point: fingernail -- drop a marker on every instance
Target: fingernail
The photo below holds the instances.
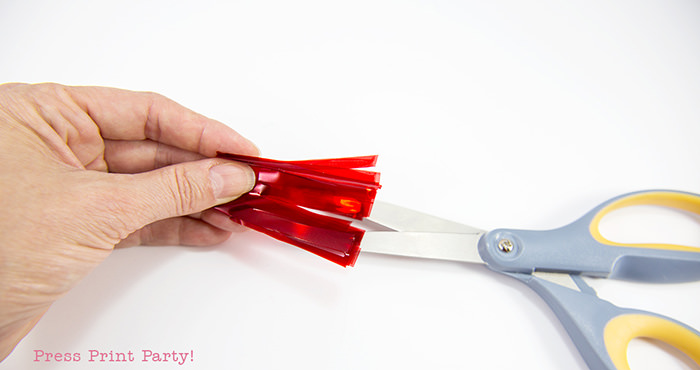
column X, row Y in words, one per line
column 231, row 180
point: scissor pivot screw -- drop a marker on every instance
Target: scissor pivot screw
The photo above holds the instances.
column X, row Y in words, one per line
column 505, row 245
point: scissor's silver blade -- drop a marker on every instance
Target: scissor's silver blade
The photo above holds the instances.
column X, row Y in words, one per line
column 405, row 219
column 444, row 246
column 562, row 279
column 574, row 282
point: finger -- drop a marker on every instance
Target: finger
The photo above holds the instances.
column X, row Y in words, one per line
column 177, row 231
column 143, row 115
column 60, row 123
column 220, row 220
column 145, row 155
column 178, row 190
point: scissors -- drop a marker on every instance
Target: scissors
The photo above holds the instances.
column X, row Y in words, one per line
column 553, row 262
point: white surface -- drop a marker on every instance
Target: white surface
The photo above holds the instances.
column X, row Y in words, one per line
column 496, row 114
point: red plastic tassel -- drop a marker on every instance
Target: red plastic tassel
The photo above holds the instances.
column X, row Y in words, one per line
column 334, row 186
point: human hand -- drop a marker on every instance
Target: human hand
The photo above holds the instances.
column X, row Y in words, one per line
column 85, row 169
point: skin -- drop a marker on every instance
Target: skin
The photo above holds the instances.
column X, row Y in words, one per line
column 86, row 169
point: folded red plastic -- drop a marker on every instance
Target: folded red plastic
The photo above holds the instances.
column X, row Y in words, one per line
column 282, row 202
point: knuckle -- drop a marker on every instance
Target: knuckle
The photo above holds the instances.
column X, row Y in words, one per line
column 184, row 190
column 162, row 156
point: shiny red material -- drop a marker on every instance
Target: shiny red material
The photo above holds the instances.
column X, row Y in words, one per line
column 282, row 202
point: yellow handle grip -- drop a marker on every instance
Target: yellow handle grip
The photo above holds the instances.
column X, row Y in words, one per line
column 671, row 199
column 622, row 329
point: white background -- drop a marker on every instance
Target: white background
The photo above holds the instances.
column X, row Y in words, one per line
column 517, row 114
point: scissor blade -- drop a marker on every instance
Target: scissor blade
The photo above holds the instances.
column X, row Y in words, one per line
column 563, row 279
column 443, row 246
column 405, row 219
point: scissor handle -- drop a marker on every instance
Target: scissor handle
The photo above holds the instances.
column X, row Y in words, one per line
column 621, row 329
column 602, row 331
column 581, row 249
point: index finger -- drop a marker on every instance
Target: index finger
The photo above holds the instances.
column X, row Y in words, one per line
column 130, row 115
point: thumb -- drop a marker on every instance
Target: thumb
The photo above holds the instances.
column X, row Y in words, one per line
column 187, row 188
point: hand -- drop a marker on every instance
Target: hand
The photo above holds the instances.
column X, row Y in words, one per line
column 85, row 169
